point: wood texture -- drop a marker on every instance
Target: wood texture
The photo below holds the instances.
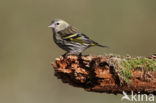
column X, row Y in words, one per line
column 100, row 74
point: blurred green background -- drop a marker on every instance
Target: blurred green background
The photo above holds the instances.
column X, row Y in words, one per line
column 27, row 49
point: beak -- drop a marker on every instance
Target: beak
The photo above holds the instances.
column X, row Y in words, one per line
column 51, row 26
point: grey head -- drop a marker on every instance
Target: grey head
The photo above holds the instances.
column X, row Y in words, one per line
column 58, row 25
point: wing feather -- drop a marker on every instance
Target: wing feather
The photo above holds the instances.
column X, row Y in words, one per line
column 72, row 34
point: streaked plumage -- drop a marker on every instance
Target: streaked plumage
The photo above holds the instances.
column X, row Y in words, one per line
column 69, row 38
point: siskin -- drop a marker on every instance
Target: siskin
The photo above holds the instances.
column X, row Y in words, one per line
column 69, row 38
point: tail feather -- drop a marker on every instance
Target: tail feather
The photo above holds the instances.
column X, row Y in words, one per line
column 102, row 46
column 97, row 44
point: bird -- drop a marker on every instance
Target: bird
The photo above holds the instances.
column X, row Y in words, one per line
column 70, row 39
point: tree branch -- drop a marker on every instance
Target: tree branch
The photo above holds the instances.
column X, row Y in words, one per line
column 111, row 74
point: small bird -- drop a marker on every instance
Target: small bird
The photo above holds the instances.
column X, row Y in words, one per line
column 70, row 38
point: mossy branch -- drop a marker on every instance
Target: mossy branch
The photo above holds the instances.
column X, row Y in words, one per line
column 111, row 74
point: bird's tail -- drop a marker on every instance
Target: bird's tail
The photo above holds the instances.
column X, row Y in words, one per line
column 97, row 44
column 102, row 46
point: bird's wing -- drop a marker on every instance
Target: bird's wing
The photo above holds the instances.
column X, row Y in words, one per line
column 72, row 34
column 78, row 37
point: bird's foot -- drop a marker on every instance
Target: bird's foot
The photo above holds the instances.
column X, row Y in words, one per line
column 80, row 56
column 64, row 55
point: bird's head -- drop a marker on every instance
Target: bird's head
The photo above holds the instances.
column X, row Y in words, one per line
column 58, row 25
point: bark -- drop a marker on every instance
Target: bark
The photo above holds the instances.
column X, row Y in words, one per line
column 103, row 74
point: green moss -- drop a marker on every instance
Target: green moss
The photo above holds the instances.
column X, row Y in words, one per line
column 127, row 74
column 136, row 63
column 142, row 63
column 126, row 70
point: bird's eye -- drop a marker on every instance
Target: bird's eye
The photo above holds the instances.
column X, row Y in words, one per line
column 57, row 23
